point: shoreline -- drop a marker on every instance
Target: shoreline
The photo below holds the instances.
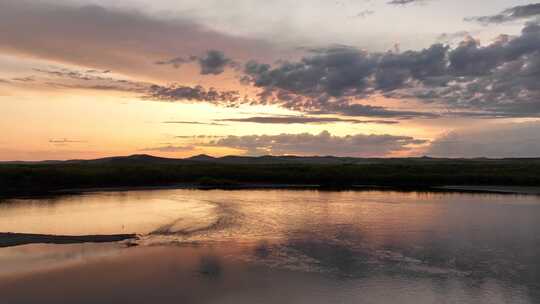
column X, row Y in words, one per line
column 479, row 189
column 10, row 239
column 523, row 190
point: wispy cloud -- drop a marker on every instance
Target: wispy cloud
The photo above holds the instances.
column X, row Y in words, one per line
column 287, row 119
column 65, row 141
column 176, row 62
column 24, row 79
column 169, row 148
column 405, row 2
column 522, row 12
column 199, row 136
column 321, row 144
column 194, row 123
column 109, row 38
column 198, row 93
column 365, row 13
column 452, row 37
column 213, row 62
column 65, row 78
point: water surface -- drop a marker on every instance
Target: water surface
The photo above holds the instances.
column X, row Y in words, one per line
column 276, row 246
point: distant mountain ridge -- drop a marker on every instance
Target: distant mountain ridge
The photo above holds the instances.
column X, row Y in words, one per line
column 234, row 172
column 246, row 160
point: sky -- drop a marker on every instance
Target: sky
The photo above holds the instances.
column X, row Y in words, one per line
column 84, row 79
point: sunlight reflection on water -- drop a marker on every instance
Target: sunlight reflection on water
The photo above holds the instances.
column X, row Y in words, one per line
column 355, row 247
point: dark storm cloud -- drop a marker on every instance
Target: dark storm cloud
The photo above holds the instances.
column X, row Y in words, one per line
column 287, row 119
column 502, row 78
column 335, row 71
column 395, row 69
column 499, row 79
column 504, row 140
column 521, row 12
column 320, row 144
column 345, row 71
column 325, row 82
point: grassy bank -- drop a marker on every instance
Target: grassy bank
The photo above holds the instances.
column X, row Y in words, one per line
column 28, row 178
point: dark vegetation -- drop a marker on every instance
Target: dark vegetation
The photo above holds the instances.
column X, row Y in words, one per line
column 142, row 170
column 17, row 239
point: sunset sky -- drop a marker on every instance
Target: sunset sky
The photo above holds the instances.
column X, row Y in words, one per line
column 176, row 78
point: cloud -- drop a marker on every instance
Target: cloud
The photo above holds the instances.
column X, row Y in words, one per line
column 287, row 119
column 344, row 107
column 498, row 80
column 405, row 2
column 321, row 144
column 198, row 93
column 333, row 72
column 194, row 123
column 109, row 38
column 501, row 79
column 169, row 148
column 496, row 141
column 65, row 141
column 214, row 62
column 522, row 12
column 452, row 37
column 328, row 80
column 364, row 14
column 347, row 71
column 199, row 136
column 24, row 79
column 175, row 62
column 64, row 78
